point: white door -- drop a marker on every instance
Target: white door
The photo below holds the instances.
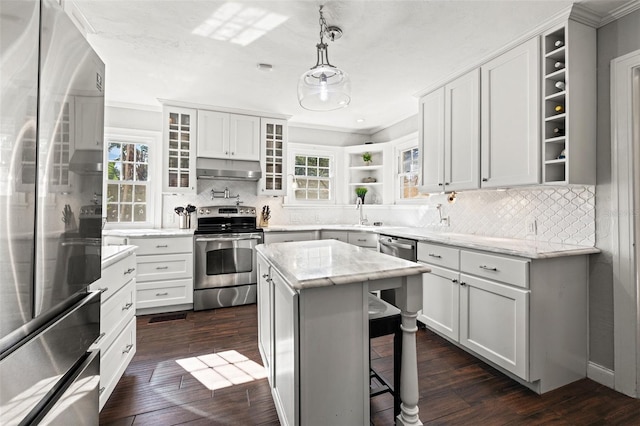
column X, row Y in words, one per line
column 213, row 134
column 510, row 123
column 494, row 323
column 432, row 141
column 462, row 133
column 440, row 301
column 244, row 137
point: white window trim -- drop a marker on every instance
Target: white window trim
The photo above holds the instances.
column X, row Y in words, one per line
column 154, row 140
column 334, row 153
column 399, row 145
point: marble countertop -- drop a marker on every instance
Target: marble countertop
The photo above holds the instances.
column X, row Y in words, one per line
column 308, row 264
column 530, row 249
column 112, row 254
column 149, row 232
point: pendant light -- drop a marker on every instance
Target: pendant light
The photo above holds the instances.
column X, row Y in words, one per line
column 324, row 87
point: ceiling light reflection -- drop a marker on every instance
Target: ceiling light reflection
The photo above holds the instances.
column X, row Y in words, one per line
column 238, row 24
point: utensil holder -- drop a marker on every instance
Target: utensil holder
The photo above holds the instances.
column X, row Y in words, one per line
column 185, row 221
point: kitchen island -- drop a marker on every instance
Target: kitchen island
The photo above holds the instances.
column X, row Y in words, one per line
column 313, row 328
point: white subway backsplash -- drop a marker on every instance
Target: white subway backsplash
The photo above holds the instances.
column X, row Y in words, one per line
column 561, row 214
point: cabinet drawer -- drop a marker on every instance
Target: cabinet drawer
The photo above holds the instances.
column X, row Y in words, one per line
column 114, row 360
column 363, row 239
column 434, row 254
column 153, row 294
column 164, row 267
column 506, row 269
column 162, row 245
column 285, row 237
column 115, row 312
column 115, row 276
column 335, row 235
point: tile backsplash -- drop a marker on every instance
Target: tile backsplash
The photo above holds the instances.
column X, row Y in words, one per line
column 558, row 214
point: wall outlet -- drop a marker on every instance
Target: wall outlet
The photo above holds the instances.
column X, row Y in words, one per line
column 532, row 226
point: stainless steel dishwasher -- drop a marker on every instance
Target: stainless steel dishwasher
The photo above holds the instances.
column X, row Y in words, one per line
column 403, row 248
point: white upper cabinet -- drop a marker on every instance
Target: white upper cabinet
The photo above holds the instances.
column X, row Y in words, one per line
column 510, row 144
column 273, row 143
column 450, row 135
column 179, row 172
column 228, row 136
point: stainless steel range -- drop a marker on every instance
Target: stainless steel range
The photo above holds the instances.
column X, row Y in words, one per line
column 225, row 259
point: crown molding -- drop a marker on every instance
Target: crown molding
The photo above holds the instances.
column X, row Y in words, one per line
column 127, row 105
column 618, row 13
column 300, row 125
column 184, row 104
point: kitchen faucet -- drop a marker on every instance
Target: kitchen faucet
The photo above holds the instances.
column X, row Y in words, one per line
column 363, row 221
column 444, row 220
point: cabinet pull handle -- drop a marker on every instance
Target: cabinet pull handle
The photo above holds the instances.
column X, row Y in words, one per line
column 437, row 256
column 162, row 246
column 162, row 267
column 128, row 271
column 488, row 268
column 101, row 390
column 362, row 239
column 485, row 179
column 95, row 342
column 127, row 348
column 265, row 275
column 162, row 294
column 103, row 289
column 127, row 306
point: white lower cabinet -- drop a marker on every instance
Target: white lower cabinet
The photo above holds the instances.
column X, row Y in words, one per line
column 289, row 236
column 527, row 317
column 265, row 302
column 117, row 341
column 165, row 274
column 494, row 323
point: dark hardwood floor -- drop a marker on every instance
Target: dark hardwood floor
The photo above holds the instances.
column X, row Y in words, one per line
column 455, row 388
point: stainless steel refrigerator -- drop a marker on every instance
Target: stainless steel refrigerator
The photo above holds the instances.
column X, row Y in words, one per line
column 51, row 111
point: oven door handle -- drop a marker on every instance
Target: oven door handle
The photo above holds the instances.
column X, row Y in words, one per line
column 235, row 238
column 398, row 245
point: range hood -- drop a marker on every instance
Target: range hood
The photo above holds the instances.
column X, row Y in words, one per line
column 86, row 162
column 210, row 168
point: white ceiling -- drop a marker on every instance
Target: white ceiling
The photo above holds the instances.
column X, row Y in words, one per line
column 391, row 49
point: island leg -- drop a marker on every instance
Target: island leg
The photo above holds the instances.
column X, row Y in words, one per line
column 410, row 301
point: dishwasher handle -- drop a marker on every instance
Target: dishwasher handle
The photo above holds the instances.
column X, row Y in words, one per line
column 390, row 243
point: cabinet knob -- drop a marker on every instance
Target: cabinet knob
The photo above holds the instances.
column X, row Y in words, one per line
column 265, row 275
column 441, row 184
column 485, row 179
column 447, row 183
column 463, row 283
column 454, row 281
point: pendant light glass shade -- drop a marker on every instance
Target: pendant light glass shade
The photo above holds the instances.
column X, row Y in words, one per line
column 324, row 87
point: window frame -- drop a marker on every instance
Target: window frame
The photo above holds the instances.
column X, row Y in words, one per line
column 153, row 141
column 402, row 145
column 308, row 151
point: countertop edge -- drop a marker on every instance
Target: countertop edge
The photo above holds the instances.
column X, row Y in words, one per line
column 115, row 253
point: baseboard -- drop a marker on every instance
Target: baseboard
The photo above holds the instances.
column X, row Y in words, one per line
column 600, row 374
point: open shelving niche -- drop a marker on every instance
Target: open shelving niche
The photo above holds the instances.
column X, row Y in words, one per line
column 359, row 173
column 568, row 131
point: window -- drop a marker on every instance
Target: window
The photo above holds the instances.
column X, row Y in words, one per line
column 312, row 176
column 408, row 157
column 127, row 181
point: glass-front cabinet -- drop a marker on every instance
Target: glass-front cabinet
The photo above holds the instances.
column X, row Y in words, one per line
column 179, row 173
column 273, row 134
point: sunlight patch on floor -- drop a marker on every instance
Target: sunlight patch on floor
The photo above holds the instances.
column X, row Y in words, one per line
column 222, row 369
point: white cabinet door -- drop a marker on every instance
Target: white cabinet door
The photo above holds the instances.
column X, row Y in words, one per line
column 494, row 323
column 179, row 173
column 265, row 302
column 510, row 144
column 285, row 355
column 244, row 137
column 273, row 146
column 432, row 140
column 213, row 134
column 462, row 133
column 450, row 135
column 440, row 305
column 89, row 122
